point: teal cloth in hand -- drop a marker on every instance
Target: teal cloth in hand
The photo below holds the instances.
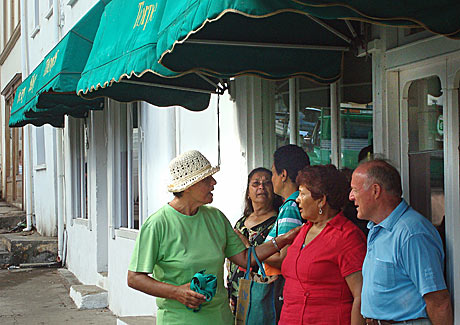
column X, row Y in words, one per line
column 205, row 284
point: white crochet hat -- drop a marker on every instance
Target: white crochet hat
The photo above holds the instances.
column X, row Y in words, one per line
column 188, row 169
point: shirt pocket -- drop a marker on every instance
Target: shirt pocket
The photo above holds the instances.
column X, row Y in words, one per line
column 384, row 273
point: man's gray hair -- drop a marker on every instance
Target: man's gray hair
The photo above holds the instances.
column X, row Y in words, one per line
column 380, row 171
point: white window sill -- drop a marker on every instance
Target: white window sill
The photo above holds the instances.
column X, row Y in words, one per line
column 40, row 167
column 49, row 13
column 127, row 233
column 81, row 222
column 35, row 31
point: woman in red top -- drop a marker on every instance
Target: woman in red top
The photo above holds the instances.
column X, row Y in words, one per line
column 323, row 265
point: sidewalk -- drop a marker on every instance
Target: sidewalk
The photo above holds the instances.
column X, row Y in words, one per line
column 41, row 297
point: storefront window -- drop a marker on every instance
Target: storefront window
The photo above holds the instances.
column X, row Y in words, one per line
column 314, row 115
column 426, row 148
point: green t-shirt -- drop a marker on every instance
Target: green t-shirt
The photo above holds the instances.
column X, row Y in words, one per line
column 173, row 247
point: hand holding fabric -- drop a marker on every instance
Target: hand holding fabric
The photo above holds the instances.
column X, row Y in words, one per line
column 205, row 285
column 188, row 297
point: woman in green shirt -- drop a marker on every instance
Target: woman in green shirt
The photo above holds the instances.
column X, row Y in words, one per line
column 184, row 237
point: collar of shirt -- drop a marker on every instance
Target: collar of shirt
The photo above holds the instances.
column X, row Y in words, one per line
column 394, row 216
column 338, row 221
column 293, row 196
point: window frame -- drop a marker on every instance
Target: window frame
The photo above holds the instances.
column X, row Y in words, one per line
column 36, row 19
column 80, row 150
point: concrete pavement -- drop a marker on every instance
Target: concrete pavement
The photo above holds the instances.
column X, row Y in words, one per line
column 40, row 296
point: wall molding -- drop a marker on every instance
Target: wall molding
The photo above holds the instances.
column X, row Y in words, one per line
column 10, row 44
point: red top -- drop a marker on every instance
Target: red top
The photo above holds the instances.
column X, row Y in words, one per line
column 315, row 291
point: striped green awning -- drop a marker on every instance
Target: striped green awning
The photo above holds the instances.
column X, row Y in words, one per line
column 49, row 92
column 123, row 64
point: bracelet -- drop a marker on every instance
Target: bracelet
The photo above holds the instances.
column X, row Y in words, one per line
column 276, row 245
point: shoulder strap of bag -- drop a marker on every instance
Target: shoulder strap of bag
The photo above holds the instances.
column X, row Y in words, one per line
column 252, row 251
column 261, row 233
column 285, row 202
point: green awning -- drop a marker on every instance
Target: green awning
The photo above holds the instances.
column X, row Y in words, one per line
column 283, row 38
column 123, row 64
column 440, row 17
column 273, row 39
column 49, row 92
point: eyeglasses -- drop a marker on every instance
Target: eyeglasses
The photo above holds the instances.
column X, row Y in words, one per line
column 258, row 183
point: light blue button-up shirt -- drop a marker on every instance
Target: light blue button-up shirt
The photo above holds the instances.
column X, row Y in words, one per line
column 404, row 261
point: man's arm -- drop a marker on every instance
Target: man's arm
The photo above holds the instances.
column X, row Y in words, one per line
column 438, row 307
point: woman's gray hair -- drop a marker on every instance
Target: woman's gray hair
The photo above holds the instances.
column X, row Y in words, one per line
column 380, row 171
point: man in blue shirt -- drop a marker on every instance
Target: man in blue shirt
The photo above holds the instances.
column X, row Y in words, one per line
column 403, row 270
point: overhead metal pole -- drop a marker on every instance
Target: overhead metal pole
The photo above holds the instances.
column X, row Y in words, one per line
column 330, row 28
column 142, row 83
column 275, row 45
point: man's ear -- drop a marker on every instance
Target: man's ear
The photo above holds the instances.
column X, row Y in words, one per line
column 284, row 175
column 376, row 190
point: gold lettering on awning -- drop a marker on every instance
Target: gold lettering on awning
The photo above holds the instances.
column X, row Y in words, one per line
column 50, row 62
column 32, row 83
column 144, row 14
column 21, row 95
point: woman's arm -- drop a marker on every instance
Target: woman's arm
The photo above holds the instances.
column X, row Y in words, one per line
column 277, row 259
column 266, row 249
column 183, row 294
column 355, row 283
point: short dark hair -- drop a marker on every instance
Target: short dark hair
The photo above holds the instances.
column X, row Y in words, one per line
column 291, row 158
column 380, row 171
column 248, row 208
column 178, row 194
column 325, row 180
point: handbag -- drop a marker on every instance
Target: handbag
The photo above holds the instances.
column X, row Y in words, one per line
column 262, row 233
column 258, row 294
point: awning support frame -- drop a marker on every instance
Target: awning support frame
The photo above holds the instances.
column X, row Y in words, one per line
column 150, row 84
column 269, row 45
column 221, row 89
column 331, row 29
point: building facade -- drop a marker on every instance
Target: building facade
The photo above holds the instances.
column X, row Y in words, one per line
column 96, row 180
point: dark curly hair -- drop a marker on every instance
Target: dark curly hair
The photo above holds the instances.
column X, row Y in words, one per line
column 277, row 200
column 325, row 180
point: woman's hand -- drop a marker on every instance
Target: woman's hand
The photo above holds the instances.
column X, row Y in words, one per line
column 188, row 297
column 288, row 238
column 242, row 237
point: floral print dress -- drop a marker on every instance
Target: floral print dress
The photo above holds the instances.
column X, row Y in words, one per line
column 256, row 236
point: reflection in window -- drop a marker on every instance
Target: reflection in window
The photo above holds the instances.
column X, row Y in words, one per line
column 426, row 154
column 314, row 114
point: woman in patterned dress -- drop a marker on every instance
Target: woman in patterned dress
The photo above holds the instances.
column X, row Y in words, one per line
column 259, row 216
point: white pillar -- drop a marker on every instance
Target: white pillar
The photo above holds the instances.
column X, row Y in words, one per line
column 293, row 109
column 335, row 125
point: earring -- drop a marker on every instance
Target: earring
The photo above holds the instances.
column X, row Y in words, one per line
column 320, row 211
